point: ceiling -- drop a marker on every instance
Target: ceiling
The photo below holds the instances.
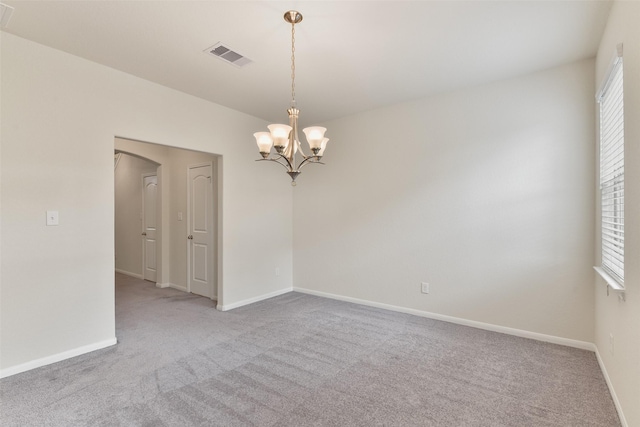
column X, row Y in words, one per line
column 351, row 56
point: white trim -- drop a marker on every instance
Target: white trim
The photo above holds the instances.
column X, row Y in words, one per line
column 611, row 282
column 118, row 156
column 254, row 299
column 617, row 57
column 128, row 273
column 172, row 286
column 457, row 320
column 616, row 402
column 178, row 287
column 44, row 361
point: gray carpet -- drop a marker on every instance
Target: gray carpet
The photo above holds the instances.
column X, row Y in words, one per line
column 299, row 360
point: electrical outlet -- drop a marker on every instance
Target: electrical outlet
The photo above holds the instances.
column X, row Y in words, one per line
column 277, row 271
column 425, row 287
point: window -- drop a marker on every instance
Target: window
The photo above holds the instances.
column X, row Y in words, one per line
column 611, row 103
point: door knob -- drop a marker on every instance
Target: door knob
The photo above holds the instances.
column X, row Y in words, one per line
column 189, row 237
column 144, row 234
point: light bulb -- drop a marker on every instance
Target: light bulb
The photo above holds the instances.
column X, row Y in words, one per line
column 264, row 141
column 323, row 145
column 280, row 135
column 314, row 134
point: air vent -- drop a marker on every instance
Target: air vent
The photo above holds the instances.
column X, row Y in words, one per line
column 5, row 15
column 228, row 55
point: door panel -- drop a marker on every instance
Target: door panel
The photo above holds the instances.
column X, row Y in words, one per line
column 200, row 214
column 200, row 263
column 150, row 259
column 149, row 227
column 200, row 202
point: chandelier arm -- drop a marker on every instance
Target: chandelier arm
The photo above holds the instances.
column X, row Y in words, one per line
column 304, row 156
column 290, row 151
column 288, row 168
column 286, row 159
column 309, row 160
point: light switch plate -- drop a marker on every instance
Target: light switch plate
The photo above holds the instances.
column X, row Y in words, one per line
column 52, row 217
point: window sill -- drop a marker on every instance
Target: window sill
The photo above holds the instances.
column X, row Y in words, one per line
column 612, row 283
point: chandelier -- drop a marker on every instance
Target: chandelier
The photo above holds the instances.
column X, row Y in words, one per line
column 284, row 138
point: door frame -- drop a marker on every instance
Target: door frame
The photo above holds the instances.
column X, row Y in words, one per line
column 214, row 227
column 145, row 150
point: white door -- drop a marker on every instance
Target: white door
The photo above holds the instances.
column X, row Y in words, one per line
column 200, row 213
column 149, row 226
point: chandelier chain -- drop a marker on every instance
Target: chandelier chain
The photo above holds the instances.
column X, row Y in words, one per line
column 293, row 64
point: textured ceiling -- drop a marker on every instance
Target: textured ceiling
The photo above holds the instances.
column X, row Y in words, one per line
column 351, row 56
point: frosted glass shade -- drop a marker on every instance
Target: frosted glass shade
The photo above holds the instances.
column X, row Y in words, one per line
column 264, row 141
column 315, row 135
column 280, row 134
column 323, row 145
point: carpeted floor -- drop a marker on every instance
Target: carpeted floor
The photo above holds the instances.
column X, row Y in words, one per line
column 299, row 360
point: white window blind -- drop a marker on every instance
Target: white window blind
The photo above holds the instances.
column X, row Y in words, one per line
column 612, row 172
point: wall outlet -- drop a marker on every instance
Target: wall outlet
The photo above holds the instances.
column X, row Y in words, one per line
column 424, row 287
column 277, row 271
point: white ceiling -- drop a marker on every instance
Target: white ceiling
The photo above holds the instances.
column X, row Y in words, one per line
column 351, row 56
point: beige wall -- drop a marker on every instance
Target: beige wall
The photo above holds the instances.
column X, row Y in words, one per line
column 59, row 117
column 485, row 193
column 128, row 210
column 621, row 319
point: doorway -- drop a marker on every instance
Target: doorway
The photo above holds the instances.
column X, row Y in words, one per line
column 186, row 190
column 136, row 217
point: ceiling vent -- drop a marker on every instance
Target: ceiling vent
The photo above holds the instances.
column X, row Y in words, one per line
column 5, row 15
column 228, row 55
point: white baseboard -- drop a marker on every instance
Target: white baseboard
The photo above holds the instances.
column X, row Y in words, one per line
column 228, row 307
column 172, row 286
column 457, row 320
column 616, row 402
column 56, row 358
column 178, row 287
column 128, row 273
